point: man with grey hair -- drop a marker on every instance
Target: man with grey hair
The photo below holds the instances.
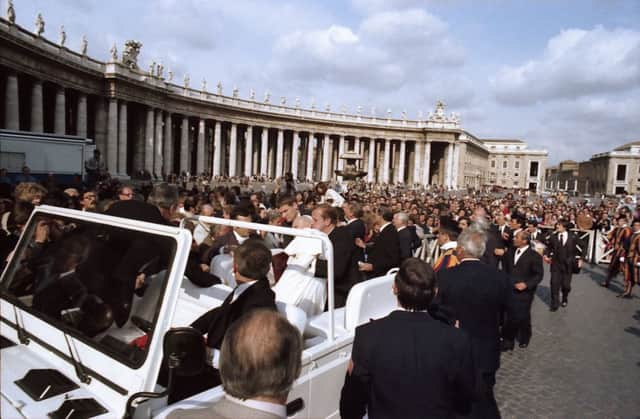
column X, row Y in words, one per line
column 476, row 294
column 400, row 221
column 256, row 378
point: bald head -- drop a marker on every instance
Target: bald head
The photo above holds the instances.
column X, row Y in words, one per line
column 260, row 356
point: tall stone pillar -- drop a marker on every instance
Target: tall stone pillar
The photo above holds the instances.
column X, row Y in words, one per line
column 403, row 151
column 112, row 135
column 122, row 138
column 12, row 102
column 149, row 141
column 168, row 144
column 59, row 122
column 387, row 155
column 37, row 124
column 340, row 161
column 157, row 145
column 233, row 149
column 280, row 153
column 460, row 149
column 264, row 152
column 295, row 149
column 308, row 173
column 448, row 165
column 416, row 164
column 184, row 145
column 426, row 163
column 101, row 127
column 248, row 151
column 356, row 145
column 81, row 116
column 217, row 147
column 200, row 156
column 371, row 176
column 326, row 151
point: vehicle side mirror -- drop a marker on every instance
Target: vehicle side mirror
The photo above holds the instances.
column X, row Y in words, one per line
column 184, row 355
column 184, row 351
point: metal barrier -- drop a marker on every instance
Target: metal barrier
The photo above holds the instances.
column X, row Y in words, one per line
column 429, row 251
column 603, row 250
column 590, row 240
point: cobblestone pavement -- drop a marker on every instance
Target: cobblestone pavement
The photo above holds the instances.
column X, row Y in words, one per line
column 583, row 360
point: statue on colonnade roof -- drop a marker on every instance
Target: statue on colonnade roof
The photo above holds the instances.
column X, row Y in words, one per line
column 130, row 54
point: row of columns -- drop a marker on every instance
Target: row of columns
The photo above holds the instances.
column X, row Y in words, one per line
column 155, row 153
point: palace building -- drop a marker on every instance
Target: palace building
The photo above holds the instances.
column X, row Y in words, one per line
column 144, row 119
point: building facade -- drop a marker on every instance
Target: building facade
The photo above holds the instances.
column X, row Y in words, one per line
column 143, row 120
column 513, row 165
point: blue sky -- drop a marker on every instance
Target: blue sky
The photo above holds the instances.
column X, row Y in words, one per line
column 563, row 75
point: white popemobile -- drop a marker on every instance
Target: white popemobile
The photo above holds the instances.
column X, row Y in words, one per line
column 51, row 366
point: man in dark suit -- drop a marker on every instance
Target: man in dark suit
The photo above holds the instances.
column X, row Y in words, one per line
column 353, row 215
column 407, row 237
column 234, row 237
column 251, row 263
column 476, row 294
column 385, row 252
column 409, row 365
column 563, row 251
column 524, row 267
column 345, row 255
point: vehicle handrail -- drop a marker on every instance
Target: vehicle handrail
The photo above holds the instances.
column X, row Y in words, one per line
column 308, row 233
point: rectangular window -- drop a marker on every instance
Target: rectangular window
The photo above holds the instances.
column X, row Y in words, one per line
column 504, row 164
column 493, row 163
column 516, row 165
column 621, row 172
column 533, row 169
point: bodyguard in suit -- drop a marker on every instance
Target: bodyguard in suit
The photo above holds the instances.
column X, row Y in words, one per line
column 234, row 237
column 563, row 251
column 408, row 364
column 251, row 262
column 524, row 267
column 405, row 235
column 476, row 294
column 385, row 253
column 353, row 215
column 256, row 381
column 345, row 253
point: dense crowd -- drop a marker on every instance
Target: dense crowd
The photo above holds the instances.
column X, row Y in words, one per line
column 497, row 240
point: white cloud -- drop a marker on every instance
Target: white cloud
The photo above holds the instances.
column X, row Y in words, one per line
column 575, row 63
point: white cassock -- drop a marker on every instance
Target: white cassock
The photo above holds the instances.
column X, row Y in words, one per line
column 297, row 285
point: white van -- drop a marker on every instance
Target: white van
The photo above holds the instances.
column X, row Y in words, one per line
column 54, row 365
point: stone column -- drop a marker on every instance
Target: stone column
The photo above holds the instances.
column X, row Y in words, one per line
column 157, row 147
column 426, row 162
column 184, row 145
column 112, row 135
column 168, row 144
column 59, row 122
column 385, row 167
column 341, row 143
column 12, row 103
column 122, row 138
column 81, row 116
column 454, row 165
column 459, row 150
column 217, row 145
column 371, row 175
column 403, row 150
column 101, row 127
column 280, row 153
column 325, row 157
column 416, row 164
column 248, row 151
column 295, row 148
column 233, row 148
column 37, row 124
column 148, row 142
column 308, row 173
column 200, row 157
column 264, row 152
column 356, row 145
column 448, row 160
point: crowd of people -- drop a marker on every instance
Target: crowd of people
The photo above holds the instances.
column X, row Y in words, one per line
column 462, row 302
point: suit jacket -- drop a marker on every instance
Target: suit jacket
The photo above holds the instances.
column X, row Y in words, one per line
column 215, row 322
column 227, row 239
column 408, row 365
column 476, row 294
column 345, row 261
column 529, row 270
column 563, row 256
column 357, row 228
column 223, row 409
column 493, row 242
column 406, row 241
column 385, row 252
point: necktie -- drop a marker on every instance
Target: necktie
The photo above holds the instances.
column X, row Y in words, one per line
column 563, row 238
column 518, row 253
